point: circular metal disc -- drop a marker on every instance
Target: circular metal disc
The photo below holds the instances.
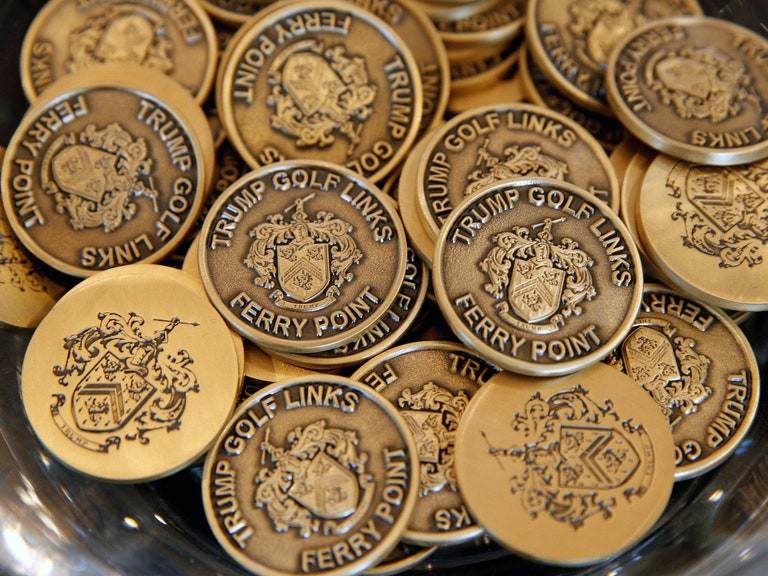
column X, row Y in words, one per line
column 568, row 471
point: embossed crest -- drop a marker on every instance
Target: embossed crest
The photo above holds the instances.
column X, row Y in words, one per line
column 529, row 273
column 318, row 482
column 318, row 91
column 700, row 83
column 566, row 449
column 117, row 370
column 729, row 215
column 95, row 176
column 16, row 267
column 307, row 258
column 668, row 367
column 121, row 33
column 518, row 161
column 433, row 417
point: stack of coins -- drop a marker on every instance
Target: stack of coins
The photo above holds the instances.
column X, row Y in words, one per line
column 414, row 313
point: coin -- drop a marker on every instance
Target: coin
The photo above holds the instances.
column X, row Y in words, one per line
column 312, row 475
column 449, row 11
column 699, row 368
column 623, row 153
column 484, row 70
column 66, row 36
column 508, row 89
column 401, row 558
column 384, row 334
column 418, row 32
column 537, row 276
column 540, row 91
column 421, row 240
column 488, row 144
column 431, row 384
column 704, row 228
column 302, row 256
column 695, row 88
column 496, row 25
column 130, row 377
column 104, row 171
column 572, row 40
column 323, row 81
column 568, row 471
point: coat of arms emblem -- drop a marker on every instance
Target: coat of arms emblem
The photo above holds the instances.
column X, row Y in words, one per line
column 16, row 268
column 316, row 92
column 666, row 365
column 700, row 83
column 518, row 161
column 121, row 34
column 318, row 482
column 125, row 384
column 530, row 274
column 309, row 259
column 727, row 213
column 95, row 177
column 433, row 415
column 566, row 450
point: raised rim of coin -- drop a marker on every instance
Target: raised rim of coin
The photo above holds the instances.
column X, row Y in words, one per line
column 522, row 451
column 131, row 377
column 653, row 70
column 488, row 276
column 335, row 427
column 245, row 261
column 193, row 22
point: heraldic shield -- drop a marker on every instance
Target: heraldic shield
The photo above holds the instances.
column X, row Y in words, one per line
column 103, row 401
column 649, row 357
column 326, row 488
column 303, row 270
column 425, row 427
column 80, row 170
column 595, row 458
column 311, row 81
column 724, row 196
column 535, row 288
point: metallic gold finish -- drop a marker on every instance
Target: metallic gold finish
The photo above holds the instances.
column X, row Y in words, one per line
column 321, row 475
column 537, row 276
column 401, row 558
column 540, row 91
column 341, row 87
column 623, row 153
column 66, row 36
column 578, row 470
column 488, row 144
column 130, row 377
column 704, row 229
column 384, row 334
column 106, row 171
column 699, row 368
column 504, row 91
column 302, row 255
column 571, row 40
column 695, row 88
column 418, row 32
column 496, row 25
column 431, row 384
column 484, row 71
column 234, row 12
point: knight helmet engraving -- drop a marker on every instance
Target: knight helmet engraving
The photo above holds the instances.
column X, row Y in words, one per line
column 318, row 483
column 309, row 259
column 95, row 177
column 123, row 384
column 433, row 415
column 530, row 274
column 724, row 210
column 318, row 91
column 564, row 452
